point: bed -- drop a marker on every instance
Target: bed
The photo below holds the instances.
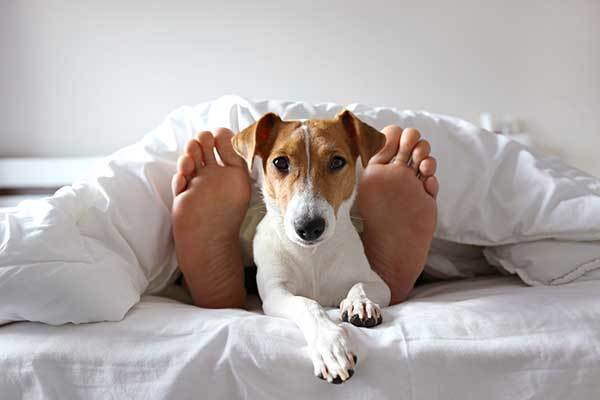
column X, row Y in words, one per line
column 492, row 338
column 91, row 265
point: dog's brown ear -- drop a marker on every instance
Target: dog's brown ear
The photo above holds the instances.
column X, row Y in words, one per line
column 258, row 138
column 366, row 140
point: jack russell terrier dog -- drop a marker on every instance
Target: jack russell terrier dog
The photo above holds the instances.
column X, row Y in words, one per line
column 306, row 249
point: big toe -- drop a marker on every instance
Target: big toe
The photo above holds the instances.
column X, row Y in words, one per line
column 225, row 149
column 388, row 151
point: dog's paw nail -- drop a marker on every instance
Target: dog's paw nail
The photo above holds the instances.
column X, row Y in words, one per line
column 355, row 361
column 345, row 316
column 337, row 380
column 362, row 312
column 356, row 321
column 350, row 373
column 370, row 322
column 332, row 355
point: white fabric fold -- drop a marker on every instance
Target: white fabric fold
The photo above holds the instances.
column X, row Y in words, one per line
column 89, row 252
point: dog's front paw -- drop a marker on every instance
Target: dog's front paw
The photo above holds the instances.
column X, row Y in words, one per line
column 360, row 312
column 332, row 358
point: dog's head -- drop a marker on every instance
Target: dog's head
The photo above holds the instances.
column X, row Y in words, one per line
column 309, row 169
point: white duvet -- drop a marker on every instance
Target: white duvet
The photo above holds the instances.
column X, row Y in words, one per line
column 488, row 338
column 89, row 252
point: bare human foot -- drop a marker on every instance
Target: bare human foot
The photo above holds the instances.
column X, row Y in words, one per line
column 396, row 200
column 211, row 200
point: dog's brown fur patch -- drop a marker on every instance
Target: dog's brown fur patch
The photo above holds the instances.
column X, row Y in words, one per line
column 345, row 136
column 282, row 186
column 328, row 138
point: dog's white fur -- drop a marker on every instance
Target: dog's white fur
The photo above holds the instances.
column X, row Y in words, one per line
column 295, row 279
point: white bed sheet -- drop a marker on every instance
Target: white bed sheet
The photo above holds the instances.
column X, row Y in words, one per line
column 487, row 338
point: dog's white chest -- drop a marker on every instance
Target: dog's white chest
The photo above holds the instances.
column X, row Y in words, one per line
column 324, row 273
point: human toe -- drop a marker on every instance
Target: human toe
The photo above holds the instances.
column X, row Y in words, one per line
column 388, row 151
column 420, row 152
column 178, row 184
column 408, row 140
column 427, row 167
column 193, row 149
column 207, row 143
column 432, row 186
column 225, row 149
column 186, row 165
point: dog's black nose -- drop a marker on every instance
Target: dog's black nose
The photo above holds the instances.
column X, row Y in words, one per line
column 310, row 229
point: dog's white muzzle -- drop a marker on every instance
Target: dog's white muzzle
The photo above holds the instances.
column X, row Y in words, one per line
column 309, row 219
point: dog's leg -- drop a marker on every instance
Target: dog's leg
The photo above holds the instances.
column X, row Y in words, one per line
column 328, row 342
column 361, row 307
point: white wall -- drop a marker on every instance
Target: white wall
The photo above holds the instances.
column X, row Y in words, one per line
column 86, row 77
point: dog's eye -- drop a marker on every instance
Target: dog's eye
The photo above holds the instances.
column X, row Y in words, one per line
column 282, row 164
column 336, row 163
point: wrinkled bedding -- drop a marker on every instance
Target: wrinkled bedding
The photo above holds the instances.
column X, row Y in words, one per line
column 487, row 338
column 89, row 252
